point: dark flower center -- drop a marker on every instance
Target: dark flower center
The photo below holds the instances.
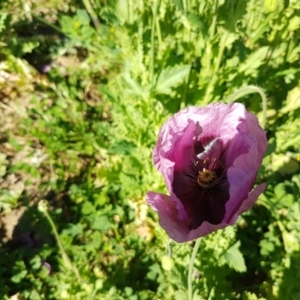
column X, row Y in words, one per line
column 203, row 187
column 206, row 178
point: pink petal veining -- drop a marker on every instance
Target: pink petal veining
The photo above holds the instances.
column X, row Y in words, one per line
column 242, row 145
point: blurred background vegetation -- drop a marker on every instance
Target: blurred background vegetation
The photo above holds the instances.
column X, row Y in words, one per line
column 84, row 88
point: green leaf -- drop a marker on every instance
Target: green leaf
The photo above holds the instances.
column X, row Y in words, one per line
column 36, row 262
column 167, row 263
column 96, row 240
column 83, row 17
column 171, row 77
column 270, row 6
column 18, row 277
column 195, row 21
column 235, row 259
column 87, row 208
column 73, row 230
column 133, row 86
column 122, row 10
column 292, row 101
column 249, row 296
column 266, row 247
column 178, row 4
column 122, row 147
column 254, row 61
column 294, row 23
column 100, row 223
column 290, row 241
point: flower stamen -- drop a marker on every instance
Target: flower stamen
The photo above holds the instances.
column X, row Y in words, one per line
column 206, row 178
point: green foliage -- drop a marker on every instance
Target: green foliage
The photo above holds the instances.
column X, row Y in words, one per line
column 81, row 135
column 234, row 258
column 171, row 77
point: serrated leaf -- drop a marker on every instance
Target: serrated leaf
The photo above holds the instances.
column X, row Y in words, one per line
column 171, row 77
column 195, row 21
column 254, row 61
column 234, row 258
column 73, row 230
column 133, row 86
column 122, row 147
column 292, row 101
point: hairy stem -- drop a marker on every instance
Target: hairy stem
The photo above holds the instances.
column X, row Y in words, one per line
column 216, row 68
column 211, row 36
column 66, row 260
column 249, row 89
column 152, row 53
column 191, row 267
column 92, row 13
column 129, row 13
column 158, row 31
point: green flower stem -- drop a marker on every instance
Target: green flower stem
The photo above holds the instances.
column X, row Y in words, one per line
column 249, row 89
column 66, row 260
column 211, row 36
column 169, row 249
column 129, row 13
column 214, row 20
column 152, row 53
column 186, row 4
column 217, row 65
column 158, row 31
column 49, row 24
column 92, row 13
column 191, row 267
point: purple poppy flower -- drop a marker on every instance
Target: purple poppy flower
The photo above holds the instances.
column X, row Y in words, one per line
column 209, row 157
